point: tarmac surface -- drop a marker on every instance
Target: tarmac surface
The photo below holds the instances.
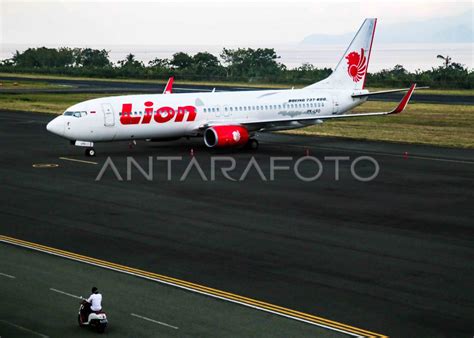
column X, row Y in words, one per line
column 98, row 86
column 393, row 255
column 42, row 293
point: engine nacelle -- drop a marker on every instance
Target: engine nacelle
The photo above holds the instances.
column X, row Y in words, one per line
column 226, row 136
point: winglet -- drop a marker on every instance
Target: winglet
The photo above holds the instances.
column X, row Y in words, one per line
column 169, row 86
column 403, row 103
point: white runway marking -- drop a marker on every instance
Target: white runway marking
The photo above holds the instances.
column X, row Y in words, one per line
column 24, row 329
column 8, row 276
column 76, row 160
column 65, row 293
column 154, row 321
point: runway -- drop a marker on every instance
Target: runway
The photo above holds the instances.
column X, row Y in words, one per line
column 393, row 255
column 100, row 86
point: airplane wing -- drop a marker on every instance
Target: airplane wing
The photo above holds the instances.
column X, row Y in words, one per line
column 169, row 86
column 262, row 125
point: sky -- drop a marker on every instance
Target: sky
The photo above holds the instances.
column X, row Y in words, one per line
column 224, row 23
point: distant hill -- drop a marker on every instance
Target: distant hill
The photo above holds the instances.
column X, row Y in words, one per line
column 440, row 30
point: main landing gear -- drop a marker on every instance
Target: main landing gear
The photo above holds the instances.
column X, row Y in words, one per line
column 90, row 152
column 252, row 144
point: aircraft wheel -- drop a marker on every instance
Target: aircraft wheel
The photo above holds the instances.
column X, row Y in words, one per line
column 252, row 144
column 90, row 152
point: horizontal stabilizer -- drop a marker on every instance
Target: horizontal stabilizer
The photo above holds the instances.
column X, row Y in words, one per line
column 387, row 92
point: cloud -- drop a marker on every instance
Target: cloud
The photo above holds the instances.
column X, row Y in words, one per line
column 197, row 23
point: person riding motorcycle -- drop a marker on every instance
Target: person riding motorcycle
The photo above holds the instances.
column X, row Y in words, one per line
column 94, row 302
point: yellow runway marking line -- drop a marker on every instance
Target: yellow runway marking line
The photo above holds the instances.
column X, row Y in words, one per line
column 256, row 304
column 45, row 165
column 76, row 160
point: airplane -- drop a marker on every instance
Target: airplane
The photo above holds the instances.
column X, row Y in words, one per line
column 226, row 119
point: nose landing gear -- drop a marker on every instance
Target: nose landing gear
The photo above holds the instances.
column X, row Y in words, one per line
column 90, row 151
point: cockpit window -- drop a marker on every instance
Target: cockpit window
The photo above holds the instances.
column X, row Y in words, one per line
column 75, row 113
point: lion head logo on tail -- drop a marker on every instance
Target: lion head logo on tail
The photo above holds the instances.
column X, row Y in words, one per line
column 357, row 65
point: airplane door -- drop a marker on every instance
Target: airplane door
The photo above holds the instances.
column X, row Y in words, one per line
column 335, row 105
column 109, row 119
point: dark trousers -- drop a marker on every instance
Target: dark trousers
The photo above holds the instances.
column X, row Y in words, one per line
column 86, row 311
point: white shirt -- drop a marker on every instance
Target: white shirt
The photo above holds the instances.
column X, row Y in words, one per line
column 96, row 301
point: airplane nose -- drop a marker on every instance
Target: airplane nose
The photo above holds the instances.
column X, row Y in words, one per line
column 56, row 126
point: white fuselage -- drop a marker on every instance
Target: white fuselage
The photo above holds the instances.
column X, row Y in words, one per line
column 155, row 116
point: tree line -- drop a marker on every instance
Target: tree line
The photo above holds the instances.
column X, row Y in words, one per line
column 232, row 65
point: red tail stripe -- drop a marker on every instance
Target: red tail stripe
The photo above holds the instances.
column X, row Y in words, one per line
column 370, row 50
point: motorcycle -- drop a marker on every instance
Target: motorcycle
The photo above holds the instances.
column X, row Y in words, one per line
column 97, row 320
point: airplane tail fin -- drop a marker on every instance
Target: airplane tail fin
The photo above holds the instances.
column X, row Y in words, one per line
column 169, row 86
column 351, row 71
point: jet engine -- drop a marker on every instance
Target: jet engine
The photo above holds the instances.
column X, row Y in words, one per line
column 226, row 136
